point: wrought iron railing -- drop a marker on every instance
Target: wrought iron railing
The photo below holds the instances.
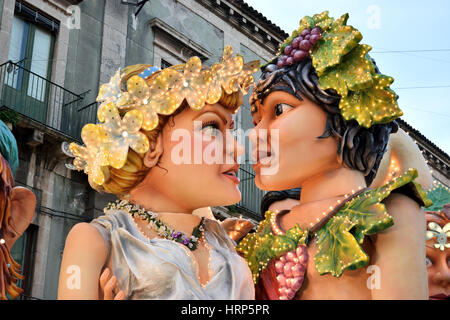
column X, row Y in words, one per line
column 251, row 195
column 41, row 100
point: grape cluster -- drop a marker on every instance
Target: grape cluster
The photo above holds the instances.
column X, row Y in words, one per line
column 300, row 47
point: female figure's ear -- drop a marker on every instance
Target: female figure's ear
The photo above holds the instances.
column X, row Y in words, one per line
column 23, row 204
column 155, row 151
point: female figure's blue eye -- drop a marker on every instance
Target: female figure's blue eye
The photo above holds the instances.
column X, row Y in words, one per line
column 211, row 128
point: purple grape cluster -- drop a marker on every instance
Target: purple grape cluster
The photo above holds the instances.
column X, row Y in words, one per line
column 300, row 47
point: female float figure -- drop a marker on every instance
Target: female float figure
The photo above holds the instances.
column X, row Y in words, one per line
column 333, row 112
column 135, row 154
column 17, row 206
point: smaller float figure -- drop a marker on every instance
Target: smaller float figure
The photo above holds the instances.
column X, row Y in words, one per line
column 438, row 243
column 17, row 205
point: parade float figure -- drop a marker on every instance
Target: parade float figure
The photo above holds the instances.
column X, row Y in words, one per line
column 438, row 243
column 150, row 241
column 332, row 112
column 17, row 206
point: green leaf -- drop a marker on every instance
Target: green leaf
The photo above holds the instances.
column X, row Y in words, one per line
column 377, row 104
column 338, row 248
column 339, row 40
column 440, row 196
column 262, row 246
column 305, row 23
column 353, row 73
column 368, row 214
column 339, row 240
column 322, row 20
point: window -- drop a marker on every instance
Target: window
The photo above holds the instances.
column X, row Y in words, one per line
column 165, row 64
column 31, row 47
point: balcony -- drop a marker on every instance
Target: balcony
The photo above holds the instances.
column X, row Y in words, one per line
column 37, row 99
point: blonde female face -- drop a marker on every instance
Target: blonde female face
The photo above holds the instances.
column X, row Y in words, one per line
column 194, row 159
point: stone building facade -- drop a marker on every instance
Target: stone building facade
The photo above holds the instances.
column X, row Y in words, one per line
column 54, row 55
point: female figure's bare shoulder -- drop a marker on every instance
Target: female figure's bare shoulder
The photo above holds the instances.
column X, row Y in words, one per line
column 85, row 254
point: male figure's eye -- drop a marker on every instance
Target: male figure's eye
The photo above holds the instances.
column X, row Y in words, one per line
column 282, row 108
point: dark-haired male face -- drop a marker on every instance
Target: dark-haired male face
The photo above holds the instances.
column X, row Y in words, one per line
column 285, row 137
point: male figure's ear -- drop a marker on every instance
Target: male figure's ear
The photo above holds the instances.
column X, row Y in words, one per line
column 155, row 151
column 23, row 204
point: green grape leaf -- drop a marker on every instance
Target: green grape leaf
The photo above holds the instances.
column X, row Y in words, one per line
column 338, row 248
column 323, row 21
column 440, row 196
column 305, row 23
column 295, row 233
column 367, row 213
column 339, row 240
column 353, row 73
column 262, row 246
column 339, row 40
column 376, row 104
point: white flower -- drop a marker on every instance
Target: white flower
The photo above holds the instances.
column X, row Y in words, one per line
column 441, row 234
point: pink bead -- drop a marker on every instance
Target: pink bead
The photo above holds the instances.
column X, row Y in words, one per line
column 283, row 291
column 290, row 294
column 279, row 266
column 290, row 256
column 283, row 297
column 283, row 259
column 288, row 282
column 300, row 251
column 288, row 269
column 281, row 280
column 297, row 270
column 297, row 283
column 303, row 258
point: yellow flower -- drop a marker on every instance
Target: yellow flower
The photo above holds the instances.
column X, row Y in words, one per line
column 174, row 87
column 92, row 158
column 224, row 75
column 246, row 79
column 110, row 92
column 122, row 134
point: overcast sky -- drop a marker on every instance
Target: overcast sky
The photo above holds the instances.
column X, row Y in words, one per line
column 394, row 25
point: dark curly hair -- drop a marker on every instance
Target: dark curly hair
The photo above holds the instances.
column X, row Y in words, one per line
column 275, row 196
column 359, row 148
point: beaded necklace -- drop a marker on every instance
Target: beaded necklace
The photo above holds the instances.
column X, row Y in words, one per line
column 160, row 227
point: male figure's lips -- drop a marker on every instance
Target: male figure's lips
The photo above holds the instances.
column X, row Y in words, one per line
column 266, row 161
column 261, row 154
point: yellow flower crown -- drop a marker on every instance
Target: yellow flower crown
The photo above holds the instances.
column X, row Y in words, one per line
column 142, row 98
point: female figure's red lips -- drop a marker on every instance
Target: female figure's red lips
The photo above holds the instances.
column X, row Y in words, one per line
column 231, row 173
column 232, row 178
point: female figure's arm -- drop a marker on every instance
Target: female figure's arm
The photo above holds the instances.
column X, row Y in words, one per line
column 400, row 252
column 85, row 254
